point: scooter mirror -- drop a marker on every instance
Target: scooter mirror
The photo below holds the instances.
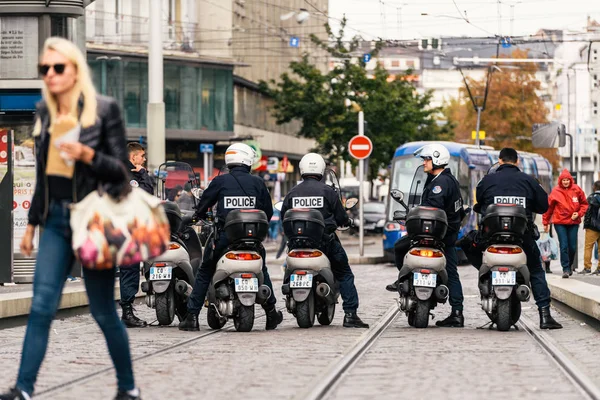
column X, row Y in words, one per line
column 278, row 206
column 351, row 203
column 397, row 195
column 197, row 192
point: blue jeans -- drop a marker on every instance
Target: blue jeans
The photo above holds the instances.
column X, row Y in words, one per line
column 207, row 270
column 567, row 239
column 129, row 282
column 52, row 267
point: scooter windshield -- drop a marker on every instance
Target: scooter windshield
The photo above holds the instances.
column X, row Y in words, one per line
column 416, row 187
column 177, row 182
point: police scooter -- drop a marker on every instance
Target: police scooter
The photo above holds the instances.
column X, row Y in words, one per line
column 504, row 279
column 170, row 277
column 423, row 278
column 238, row 282
column 309, row 287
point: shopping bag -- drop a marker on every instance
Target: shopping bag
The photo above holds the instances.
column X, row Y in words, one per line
column 545, row 244
column 107, row 233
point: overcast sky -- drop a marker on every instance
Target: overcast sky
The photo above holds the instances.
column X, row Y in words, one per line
column 447, row 17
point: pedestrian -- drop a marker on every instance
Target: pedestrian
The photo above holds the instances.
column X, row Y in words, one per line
column 129, row 276
column 442, row 191
column 510, row 185
column 67, row 172
column 591, row 224
column 566, row 206
column 186, row 198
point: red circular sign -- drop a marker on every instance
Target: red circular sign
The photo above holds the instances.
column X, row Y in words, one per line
column 360, row 147
column 26, row 205
column 15, row 204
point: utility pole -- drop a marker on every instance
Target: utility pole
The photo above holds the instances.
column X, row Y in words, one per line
column 361, row 189
column 156, row 106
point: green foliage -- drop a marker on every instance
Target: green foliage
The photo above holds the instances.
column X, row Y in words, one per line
column 395, row 113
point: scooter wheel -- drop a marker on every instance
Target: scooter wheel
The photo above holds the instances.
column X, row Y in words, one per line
column 213, row 319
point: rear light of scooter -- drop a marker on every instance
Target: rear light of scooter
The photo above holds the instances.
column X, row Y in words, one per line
column 425, row 271
column 242, row 256
column 503, row 269
column 174, row 246
column 300, row 272
column 504, row 250
column 426, row 253
column 160, row 264
column 247, row 276
column 304, row 254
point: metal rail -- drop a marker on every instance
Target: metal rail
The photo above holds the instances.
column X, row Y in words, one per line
column 337, row 371
column 139, row 358
column 572, row 371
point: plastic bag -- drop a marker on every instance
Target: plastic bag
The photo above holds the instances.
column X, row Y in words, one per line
column 548, row 247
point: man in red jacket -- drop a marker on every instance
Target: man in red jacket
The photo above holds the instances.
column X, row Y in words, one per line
column 567, row 205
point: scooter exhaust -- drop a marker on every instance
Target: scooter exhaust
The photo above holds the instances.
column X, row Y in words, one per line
column 323, row 289
column 523, row 292
column 264, row 292
column 441, row 293
column 183, row 289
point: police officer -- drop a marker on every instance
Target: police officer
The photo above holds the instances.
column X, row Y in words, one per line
column 313, row 193
column 235, row 190
column 509, row 185
column 129, row 275
column 441, row 191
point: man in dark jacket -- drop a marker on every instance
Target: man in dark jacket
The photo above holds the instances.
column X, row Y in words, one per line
column 129, row 275
column 235, row 190
column 591, row 224
column 313, row 193
column 441, row 191
column 508, row 185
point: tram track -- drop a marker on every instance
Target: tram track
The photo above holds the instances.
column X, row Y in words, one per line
column 166, row 349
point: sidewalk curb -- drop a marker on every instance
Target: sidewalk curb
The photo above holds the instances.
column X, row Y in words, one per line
column 19, row 303
column 366, row 260
column 578, row 295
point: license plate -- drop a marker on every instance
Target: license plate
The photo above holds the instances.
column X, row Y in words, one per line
column 301, row 281
column 161, row 273
column 246, row 285
column 504, row 278
column 424, row 280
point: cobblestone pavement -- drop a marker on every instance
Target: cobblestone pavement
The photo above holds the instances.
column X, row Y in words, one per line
column 285, row 363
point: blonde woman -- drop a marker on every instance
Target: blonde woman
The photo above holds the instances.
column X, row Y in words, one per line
column 68, row 169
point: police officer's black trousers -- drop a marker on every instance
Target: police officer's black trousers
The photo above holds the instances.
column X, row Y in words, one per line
column 456, row 297
column 341, row 271
column 129, row 283
column 207, row 270
column 539, row 285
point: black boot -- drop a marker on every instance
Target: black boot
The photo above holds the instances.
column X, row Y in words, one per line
column 351, row 320
column 274, row 318
column 129, row 318
column 546, row 320
column 122, row 395
column 190, row 323
column 14, row 394
column 393, row 287
column 454, row 320
column 547, row 267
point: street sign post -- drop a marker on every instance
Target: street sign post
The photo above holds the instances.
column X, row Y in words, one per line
column 206, row 149
column 360, row 147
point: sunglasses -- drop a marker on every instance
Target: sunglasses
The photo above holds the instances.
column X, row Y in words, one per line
column 58, row 68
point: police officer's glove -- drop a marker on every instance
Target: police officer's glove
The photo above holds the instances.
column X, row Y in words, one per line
column 349, row 223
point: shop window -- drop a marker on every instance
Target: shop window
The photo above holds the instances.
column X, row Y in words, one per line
column 171, row 96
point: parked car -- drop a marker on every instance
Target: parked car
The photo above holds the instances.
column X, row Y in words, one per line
column 374, row 217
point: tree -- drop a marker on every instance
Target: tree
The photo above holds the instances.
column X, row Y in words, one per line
column 512, row 107
column 327, row 103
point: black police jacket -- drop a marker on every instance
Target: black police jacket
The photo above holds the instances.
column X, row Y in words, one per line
column 312, row 193
column 140, row 178
column 443, row 191
column 233, row 191
column 508, row 185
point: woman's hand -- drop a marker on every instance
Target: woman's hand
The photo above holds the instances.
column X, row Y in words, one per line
column 27, row 241
column 546, row 228
column 574, row 216
column 78, row 151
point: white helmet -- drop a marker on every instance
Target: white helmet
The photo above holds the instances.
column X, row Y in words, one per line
column 438, row 153
column 312, row 164
column 239, row 154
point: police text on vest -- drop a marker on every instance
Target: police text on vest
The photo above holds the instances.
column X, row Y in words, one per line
column 307, row 202
column 239, row 202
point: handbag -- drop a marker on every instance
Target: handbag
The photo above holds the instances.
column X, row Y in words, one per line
column 107, row 233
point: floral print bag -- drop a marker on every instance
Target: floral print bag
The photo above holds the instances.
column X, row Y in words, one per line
column 107, row 233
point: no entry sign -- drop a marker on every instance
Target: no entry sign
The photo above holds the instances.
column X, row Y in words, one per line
column 360, row 147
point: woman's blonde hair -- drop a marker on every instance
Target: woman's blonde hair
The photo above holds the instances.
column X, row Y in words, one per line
column 83, row 85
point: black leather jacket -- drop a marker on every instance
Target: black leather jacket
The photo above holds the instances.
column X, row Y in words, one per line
column 106, row 137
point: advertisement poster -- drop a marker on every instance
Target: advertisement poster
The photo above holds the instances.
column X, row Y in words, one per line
column 23, row 183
